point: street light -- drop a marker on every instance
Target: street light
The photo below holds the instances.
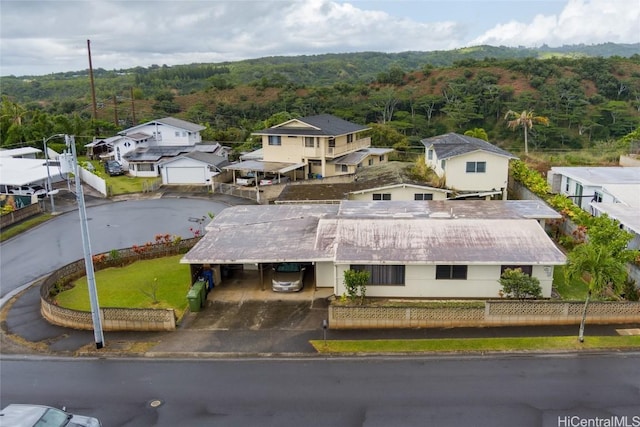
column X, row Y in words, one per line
column 49, row 185
column 72, row 164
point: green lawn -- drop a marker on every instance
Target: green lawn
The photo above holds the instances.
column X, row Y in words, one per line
column 123, row 184
column 126, row 286
column 476, row 344
column 575, row 290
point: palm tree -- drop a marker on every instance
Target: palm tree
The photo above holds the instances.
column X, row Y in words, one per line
column 602, row 268
column 526, row 119
column 479, row 133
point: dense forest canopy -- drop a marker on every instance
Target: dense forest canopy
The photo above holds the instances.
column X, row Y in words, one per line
column 589, row 94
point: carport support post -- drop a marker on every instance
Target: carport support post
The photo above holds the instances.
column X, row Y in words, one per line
column 261, row 276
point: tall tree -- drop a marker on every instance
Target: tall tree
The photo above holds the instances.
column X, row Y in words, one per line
column 525, row 120
column 603, row 268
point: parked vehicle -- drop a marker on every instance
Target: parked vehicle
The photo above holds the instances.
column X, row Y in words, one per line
column 19, row 415
column 29, row 190
column 270, row 180
column 288, row 277
column 113, row 168
column 246, row 180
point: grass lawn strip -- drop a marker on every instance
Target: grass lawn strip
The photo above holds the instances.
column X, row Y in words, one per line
column 475, row 344
column 126, row 286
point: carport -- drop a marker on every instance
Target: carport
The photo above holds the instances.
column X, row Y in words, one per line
column 253, row 238
column 258, row 168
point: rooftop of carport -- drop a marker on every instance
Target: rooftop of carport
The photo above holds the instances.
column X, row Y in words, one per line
column 264, row 167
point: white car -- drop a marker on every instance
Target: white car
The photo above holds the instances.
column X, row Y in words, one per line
column 18, row 415
column 29, row 190
column 270, row 180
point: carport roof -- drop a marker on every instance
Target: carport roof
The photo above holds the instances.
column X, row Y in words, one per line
column 259, row 166
column 494, row 232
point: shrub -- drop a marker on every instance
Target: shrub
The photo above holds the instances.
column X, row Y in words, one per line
column 516, row 284
column 355, row 281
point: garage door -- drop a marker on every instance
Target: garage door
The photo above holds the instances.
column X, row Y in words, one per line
column 184, row 175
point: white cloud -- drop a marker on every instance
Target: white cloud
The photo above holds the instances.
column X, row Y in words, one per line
column 581, row 21
column 40, row 37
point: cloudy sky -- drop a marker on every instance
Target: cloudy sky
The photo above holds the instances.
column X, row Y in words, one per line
column 41, row 37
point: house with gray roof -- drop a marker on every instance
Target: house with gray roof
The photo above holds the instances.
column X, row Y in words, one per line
column 193, row 168
column 315, row 147
column 471, row 167
column 427, row 249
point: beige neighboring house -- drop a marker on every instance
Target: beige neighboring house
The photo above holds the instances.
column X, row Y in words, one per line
column 428, row 249
column 313, row 147
column 384, row 181
column 471, row 167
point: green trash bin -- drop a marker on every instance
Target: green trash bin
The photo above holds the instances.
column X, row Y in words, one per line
column 201, row 287
column 194, row 296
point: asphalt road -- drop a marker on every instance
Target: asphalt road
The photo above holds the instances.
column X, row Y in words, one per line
column 480, row 391
column 111, row 226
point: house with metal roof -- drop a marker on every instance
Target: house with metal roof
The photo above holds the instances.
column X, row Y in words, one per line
column 471, row 167
column 608, row 184
column 612, row 190
column 314, row 147
column 427, row 249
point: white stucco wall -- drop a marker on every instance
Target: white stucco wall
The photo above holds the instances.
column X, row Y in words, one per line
column 325, row 274
column 405, row 193
column 420, row 282
column 495, row 177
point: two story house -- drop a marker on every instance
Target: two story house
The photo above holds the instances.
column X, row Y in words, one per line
column 471, row 167
column 316, row 146
column 144, row 148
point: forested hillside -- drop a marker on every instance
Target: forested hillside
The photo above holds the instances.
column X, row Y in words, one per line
column 405, row 97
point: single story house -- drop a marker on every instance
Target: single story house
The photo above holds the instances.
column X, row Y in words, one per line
column 383, row 181
column 147, row 161
column 416, row 249
column 471, row 166
column 194, row 168
column 584, row 185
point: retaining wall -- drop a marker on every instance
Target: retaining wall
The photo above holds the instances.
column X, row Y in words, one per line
column 113, row 318
column 493, row 313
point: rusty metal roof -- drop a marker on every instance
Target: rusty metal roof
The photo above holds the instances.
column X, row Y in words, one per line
column 376, row 232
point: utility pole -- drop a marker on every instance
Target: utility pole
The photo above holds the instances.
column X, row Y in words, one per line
column 133, row 107
column 86, row 245
column 93, row 89
column 115, row 110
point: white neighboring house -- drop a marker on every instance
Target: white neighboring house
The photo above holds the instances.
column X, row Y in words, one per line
column 194, row 168
column 614, row 191
column 470, row 166
column 585, row 185
column 432, row 249
column 140, row 149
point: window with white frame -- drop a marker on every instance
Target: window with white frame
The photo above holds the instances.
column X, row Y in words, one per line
column 370, row 162
column 381, row 196
column 177, row 133
column 145, row 167
column 382, row 275
column 349, row 138
column 309, row 141
column 597, row 197
column 275, row 140
column 476, row 167
column 423, row 196
column 443, row 163
column 451, row 272
column 430, row 154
